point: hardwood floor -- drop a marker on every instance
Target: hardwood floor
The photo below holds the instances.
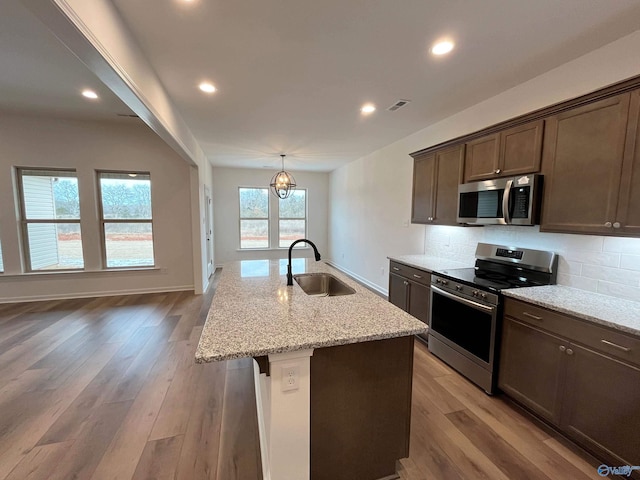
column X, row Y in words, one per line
column 459, row 432
column 107, row 388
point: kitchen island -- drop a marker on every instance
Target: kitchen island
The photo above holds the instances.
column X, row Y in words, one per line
column 333, row 374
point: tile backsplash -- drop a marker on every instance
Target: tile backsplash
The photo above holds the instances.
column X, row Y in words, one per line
column 607, row 265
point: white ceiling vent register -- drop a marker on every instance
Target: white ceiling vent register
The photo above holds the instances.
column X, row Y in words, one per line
column 398, row 105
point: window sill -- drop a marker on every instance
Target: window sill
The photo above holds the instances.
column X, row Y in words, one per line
column 48, row 273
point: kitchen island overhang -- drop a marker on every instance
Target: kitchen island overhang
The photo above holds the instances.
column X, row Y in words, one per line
column 363, row 343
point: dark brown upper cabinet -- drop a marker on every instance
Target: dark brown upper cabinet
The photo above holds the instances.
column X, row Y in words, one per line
column 436, row 177
column 586, row 150
column 628, row 213
column 513, row 151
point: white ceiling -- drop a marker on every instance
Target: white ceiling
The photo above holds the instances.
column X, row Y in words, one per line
column 39, row 75
column 293, row 74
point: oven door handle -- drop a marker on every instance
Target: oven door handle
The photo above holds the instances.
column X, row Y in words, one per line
column 470, row 303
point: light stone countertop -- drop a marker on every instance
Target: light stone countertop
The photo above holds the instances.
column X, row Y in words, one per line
column 254, row 313
column 426, row 262
column 620, row 314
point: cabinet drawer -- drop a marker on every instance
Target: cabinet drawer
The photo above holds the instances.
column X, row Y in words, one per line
column 411, row 273
column 611, row 342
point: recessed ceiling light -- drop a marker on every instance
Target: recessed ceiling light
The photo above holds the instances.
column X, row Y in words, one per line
column 368, row 108
column 207, row 87
column 89, row 94
column 441, row 48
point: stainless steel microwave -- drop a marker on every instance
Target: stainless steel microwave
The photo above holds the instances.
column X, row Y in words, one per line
column 503, row 201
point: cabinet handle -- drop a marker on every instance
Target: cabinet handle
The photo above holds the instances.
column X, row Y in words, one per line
column 405, row 282
column 616, row 225
column 531, row 315
column 620, row 347
column 562, row 348
column 396, row 269
column 569, row 351
column 608, row 224
column 430, row 219
column 498, row 170
column 417, row 276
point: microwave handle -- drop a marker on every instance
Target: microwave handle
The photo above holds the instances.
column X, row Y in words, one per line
column 505, row 202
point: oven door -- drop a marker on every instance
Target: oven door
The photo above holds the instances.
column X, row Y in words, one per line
column 466, row 326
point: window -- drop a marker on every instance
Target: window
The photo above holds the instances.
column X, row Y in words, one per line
column 254, row 217
column 50, row 217
column 292, row 221
column 127, row 230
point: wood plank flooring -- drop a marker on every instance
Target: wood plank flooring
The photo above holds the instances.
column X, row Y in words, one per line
column 107, row 388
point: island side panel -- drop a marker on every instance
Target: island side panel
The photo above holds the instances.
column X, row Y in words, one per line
column 360, row 409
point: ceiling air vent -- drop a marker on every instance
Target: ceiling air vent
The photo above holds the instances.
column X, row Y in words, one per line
column 398, row 105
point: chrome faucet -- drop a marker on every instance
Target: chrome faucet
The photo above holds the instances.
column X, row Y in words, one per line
column 315, row 251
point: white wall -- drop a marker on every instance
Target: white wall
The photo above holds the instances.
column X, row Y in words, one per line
column 226, row 211
column 87, row 146
column 381, row 182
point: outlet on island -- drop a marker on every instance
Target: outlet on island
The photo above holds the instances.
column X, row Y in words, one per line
column 290, row 378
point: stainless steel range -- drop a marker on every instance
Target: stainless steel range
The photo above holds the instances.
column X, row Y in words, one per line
column 465, row 320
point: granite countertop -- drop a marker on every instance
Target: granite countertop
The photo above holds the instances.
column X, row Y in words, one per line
column 255, row 313
column 426, row 262
column 620, row 314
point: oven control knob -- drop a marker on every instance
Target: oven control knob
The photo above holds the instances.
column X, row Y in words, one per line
column 459, row 288
column 438, row 280
column 445, row 282
column 483, row 295
column 475, row 293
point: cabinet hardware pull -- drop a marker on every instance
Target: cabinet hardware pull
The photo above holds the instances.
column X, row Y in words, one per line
column 611, row 344
column 430, row 219
column 616, row 225
column 417, row 276
column 608, row 224
column 396, row 269
column 562, row 348
column 498, row 170
column 569, row 351
column 531, row 315
column 405, row 282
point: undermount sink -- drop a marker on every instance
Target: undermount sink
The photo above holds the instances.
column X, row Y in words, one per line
column 322, row 285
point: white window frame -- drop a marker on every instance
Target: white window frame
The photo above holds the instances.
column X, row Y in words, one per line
column 104, row 221
column 24, row 222
column 267, row 218
column 306, row 216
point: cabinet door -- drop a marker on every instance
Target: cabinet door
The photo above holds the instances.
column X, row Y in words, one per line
column 628, row 216
column 398, row 291
column 521, row 149
column 424, row 178
column 481, row 158
column 602, row 404
column 449, row 167
column 418, row 305
column 582, row 161
column 532, row 368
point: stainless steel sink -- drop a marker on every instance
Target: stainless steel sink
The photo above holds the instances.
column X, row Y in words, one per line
column 322, row 285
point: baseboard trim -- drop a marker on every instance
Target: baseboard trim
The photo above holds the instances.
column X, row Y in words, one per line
column 110, row 293
column 358, row 278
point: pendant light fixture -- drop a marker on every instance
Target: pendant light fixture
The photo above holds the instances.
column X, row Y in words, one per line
column 282, row 184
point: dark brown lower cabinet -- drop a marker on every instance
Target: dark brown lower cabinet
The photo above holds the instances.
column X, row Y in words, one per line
column 531, row 368
column 409, row 290
column 581, row 378
column 360, row 409
column 601, row 405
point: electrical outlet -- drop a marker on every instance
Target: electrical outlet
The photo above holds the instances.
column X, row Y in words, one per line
column 290, row 378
